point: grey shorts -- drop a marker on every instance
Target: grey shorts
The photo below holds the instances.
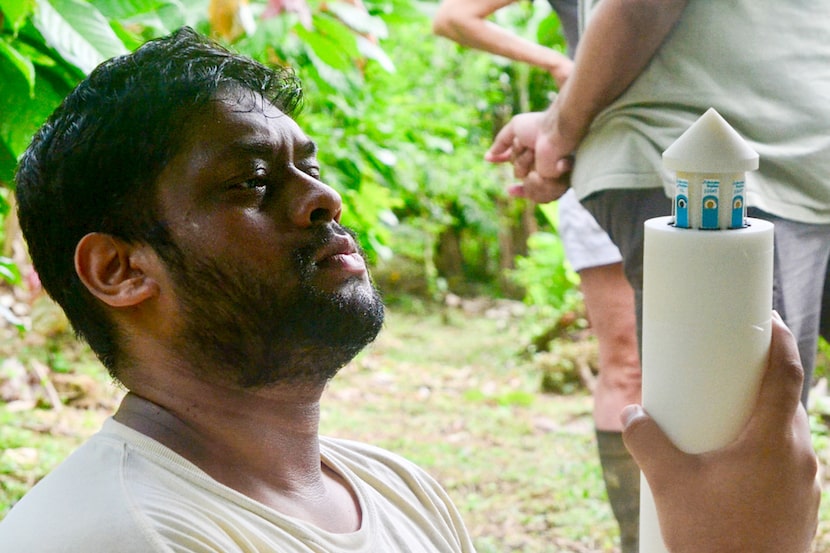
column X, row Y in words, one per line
column 622, row 214
column 802, row 251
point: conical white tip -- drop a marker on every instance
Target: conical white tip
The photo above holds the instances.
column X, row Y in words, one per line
column 710, row 145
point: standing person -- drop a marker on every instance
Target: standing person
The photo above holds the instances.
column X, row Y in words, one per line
column 175, row 211
column 609, row 299
column 644, row 72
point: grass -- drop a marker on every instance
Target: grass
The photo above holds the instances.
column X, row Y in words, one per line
column 452, row 391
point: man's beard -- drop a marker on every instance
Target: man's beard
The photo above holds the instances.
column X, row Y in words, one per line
column 237, row 328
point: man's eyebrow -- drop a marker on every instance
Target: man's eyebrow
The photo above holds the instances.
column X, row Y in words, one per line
column 258, row 147
column 254, row 147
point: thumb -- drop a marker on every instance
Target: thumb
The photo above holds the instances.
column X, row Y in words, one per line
column 502, row 147
column 656, row 455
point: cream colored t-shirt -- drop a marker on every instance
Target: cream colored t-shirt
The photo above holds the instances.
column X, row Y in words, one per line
column 764, row 66
column 122, row 492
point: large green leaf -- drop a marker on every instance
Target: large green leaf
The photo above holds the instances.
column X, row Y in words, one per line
column 7, row 166
column 21, row 113
column 325, row 50
column 163, row 16
column 126, row 35
column 332, row 41
column 125, row 9
column 16, row 11
column 358, row 19
column 21, row 65
column 549, row 33
column 373, row 51
column 78, row 32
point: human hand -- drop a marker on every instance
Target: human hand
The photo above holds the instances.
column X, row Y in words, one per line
column 759, row 494
column 539, row 189
column 544, row 177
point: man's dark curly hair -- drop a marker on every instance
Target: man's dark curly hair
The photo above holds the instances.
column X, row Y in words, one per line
column 93, row 165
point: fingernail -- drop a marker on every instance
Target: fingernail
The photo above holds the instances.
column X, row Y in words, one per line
column 516, row 191
column 630, row 413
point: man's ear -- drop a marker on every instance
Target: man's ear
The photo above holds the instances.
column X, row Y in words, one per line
column 116, row 272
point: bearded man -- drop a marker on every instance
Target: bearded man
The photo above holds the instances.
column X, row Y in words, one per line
column 176, row 212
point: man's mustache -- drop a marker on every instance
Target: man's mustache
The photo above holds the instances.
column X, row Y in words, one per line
column 322, row 235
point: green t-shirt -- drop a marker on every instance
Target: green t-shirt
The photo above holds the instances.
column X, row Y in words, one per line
column 764, row 66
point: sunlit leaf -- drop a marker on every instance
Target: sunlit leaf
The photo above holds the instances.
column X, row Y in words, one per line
column 22, row 65
column 373, row 51
column 551, row 213
column 327, row 50
column 358, row 19
column 7, row 165
column 126, row 9
column 7, row 315
column 164, row 20
column 325, row 76
column 78, row 32
column 21, row 113
column 438, row 143
column 34, row 55
column 9, row 271
column 549, row 32
column 16, row 11
column 338, row 34
column 130, row 39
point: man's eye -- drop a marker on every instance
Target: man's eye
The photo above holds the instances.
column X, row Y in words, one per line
column 312, row 171
column 253, row 183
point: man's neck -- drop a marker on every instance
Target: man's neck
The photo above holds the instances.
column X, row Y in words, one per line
column 263, row 443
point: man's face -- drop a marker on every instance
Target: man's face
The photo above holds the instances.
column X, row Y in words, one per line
column 271, row 287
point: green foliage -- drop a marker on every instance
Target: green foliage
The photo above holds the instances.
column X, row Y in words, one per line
column 9, row 271
column 403, row 118
column 11, row 274
column 822, row 368
column 530, row 88
column 434, row 117
column 47, row 46
column 545, row 274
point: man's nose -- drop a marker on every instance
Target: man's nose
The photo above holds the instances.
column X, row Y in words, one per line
column 318, row 204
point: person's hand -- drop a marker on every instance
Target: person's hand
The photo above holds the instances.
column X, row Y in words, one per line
column 539, row 189
column 759, row 494
column 531, row 145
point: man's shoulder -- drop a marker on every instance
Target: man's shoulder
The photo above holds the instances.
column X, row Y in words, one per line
column 361, row 452
column 74, row 504
column 372, row 463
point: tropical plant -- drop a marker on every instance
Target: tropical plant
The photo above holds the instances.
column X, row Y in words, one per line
column 47, row 46
column 403, row 125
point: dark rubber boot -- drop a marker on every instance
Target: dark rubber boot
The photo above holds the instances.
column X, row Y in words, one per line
column 622, row 482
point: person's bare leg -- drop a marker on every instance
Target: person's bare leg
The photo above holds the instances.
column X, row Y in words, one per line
column 609, row 301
